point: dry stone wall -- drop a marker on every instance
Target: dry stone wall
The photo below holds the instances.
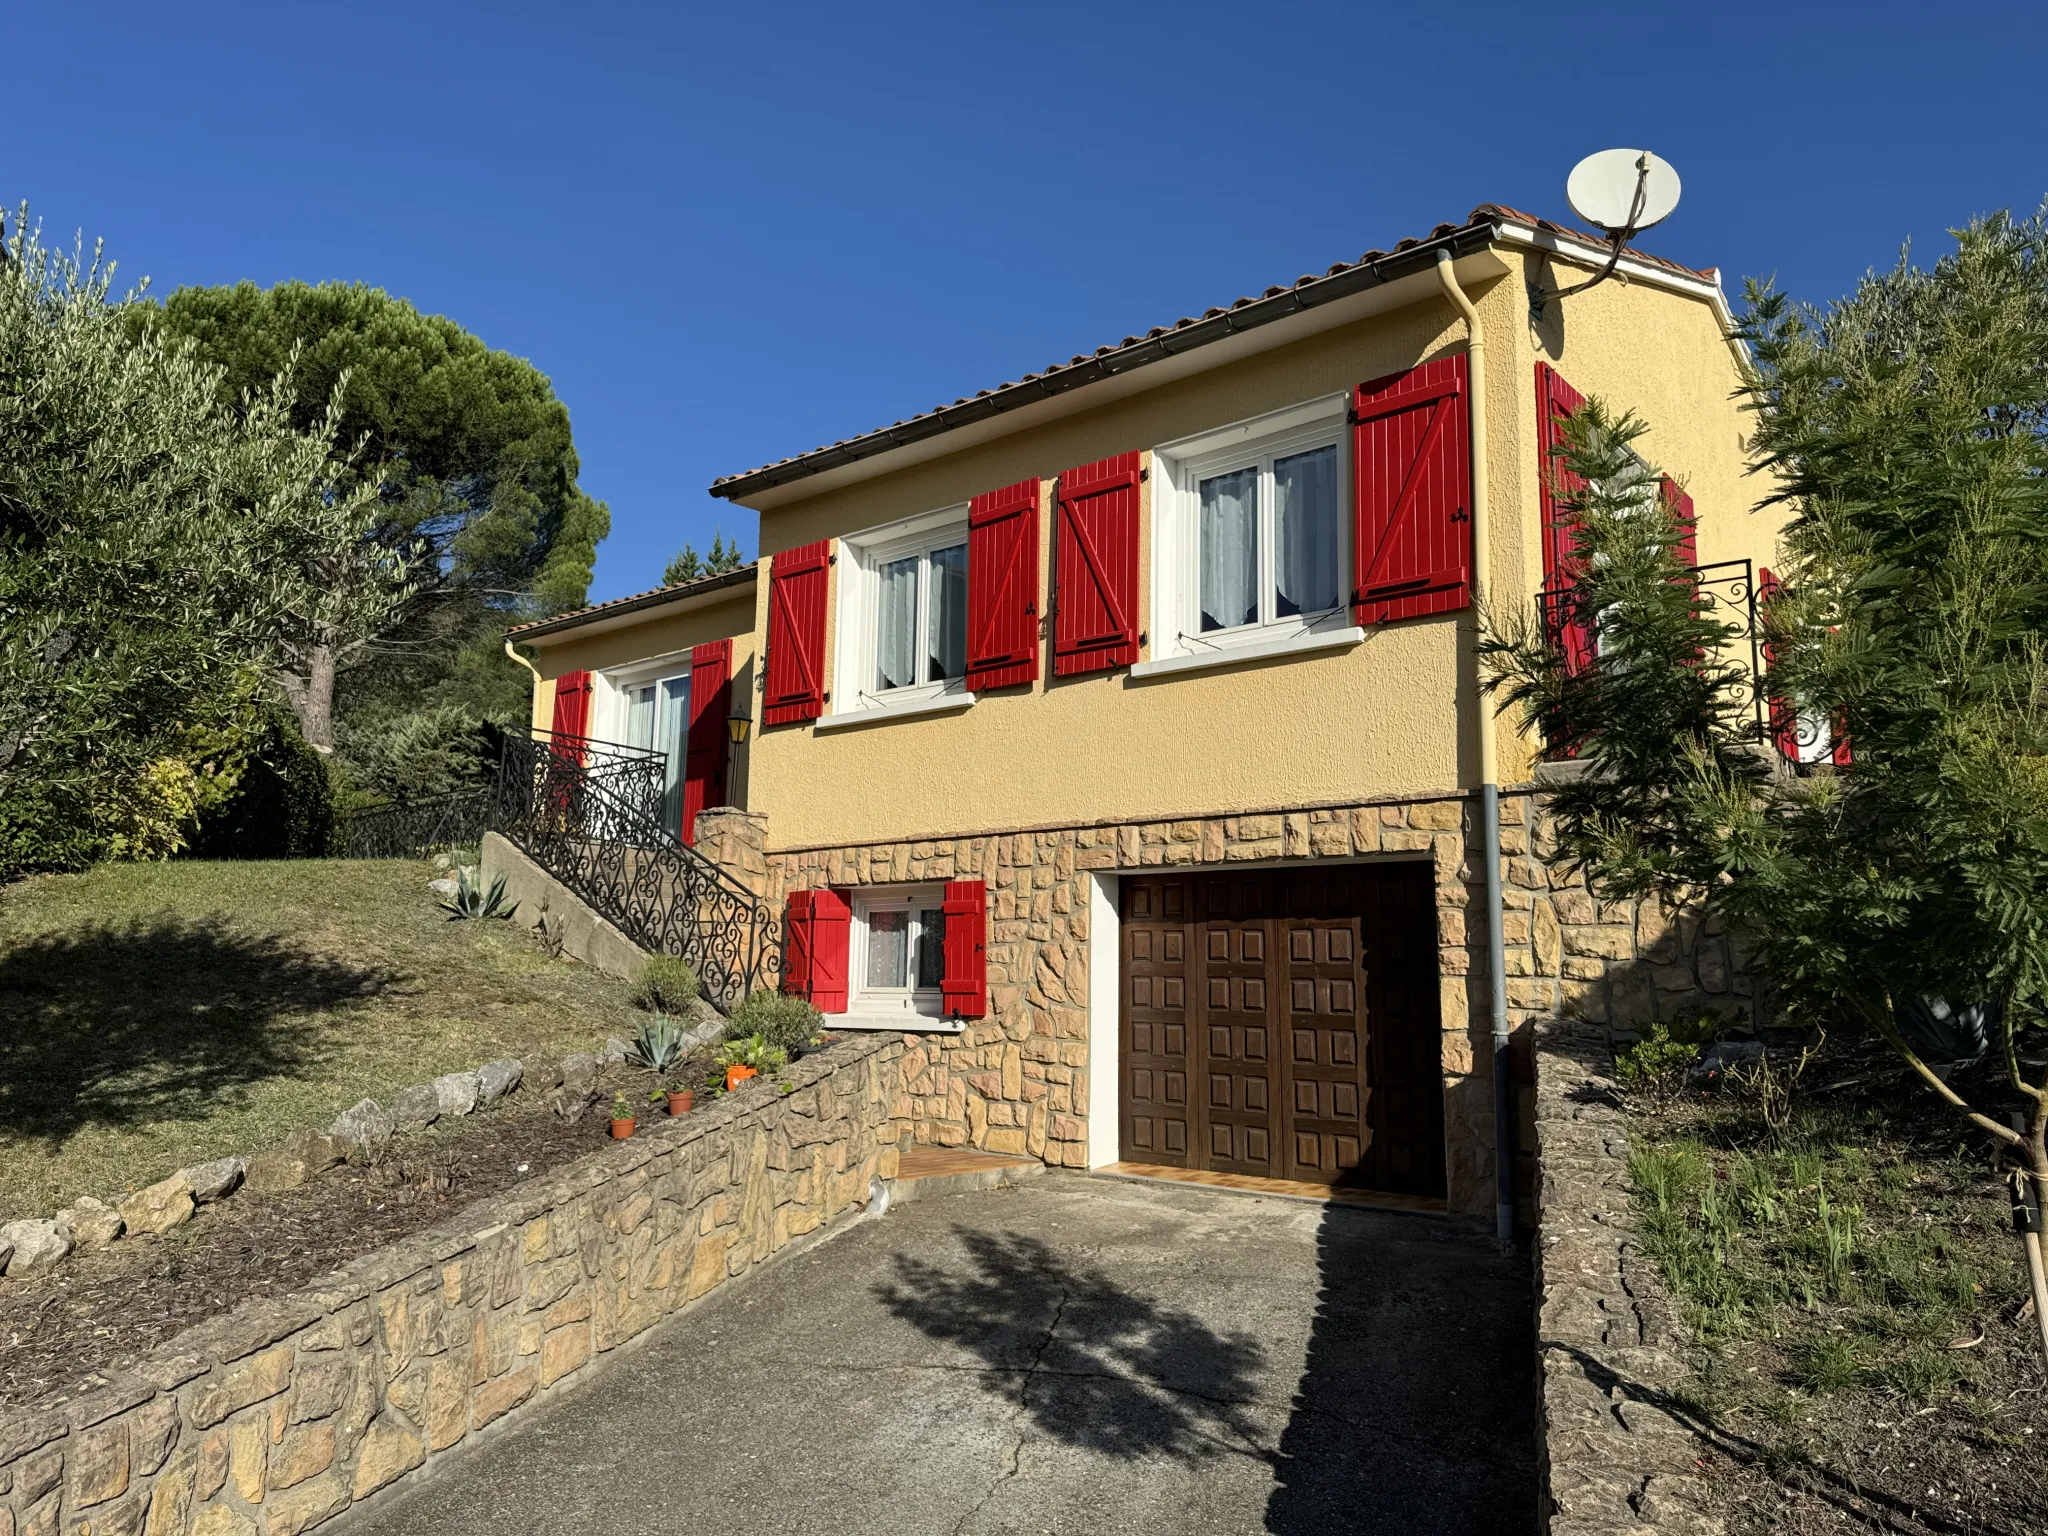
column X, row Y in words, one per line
column 1018, row 1081
column 282, row 1414
column 1619, row 1455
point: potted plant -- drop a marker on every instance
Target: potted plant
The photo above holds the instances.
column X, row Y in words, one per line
column 622, row 1117
column 749, row 1057
column 681, row 1098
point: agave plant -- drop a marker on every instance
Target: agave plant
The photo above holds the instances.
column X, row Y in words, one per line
column 658, row 1045
column 471, row 899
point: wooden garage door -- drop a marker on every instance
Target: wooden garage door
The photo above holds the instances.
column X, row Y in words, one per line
column 1284, row 1025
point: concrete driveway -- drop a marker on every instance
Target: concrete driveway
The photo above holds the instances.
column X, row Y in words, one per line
column 1073, row 1355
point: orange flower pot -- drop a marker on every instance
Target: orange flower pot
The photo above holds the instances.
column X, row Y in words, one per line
column 621, row 1129
column 682, row 1103
column 735, row 1075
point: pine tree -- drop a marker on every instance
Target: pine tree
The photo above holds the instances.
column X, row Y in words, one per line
column 688, row 565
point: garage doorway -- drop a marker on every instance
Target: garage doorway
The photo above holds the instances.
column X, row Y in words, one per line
column 1284, row 1025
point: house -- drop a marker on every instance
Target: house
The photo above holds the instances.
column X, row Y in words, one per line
column 1117, row 731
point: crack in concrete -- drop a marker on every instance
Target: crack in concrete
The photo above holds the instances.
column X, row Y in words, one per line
column 1015, row 1459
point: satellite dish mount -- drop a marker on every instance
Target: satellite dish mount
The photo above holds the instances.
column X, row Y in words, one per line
column 1624, row 191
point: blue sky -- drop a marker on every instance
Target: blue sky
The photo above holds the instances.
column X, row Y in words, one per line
column 729, row 234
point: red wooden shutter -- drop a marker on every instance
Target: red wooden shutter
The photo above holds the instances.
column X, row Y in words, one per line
column 1843, row 757
column 1687, row 548
column 1095, row 601
column 1412, row 540
column 966, row 979
column 1784, row 718
column 1002, row 587
column 795, row 665
column 1571, row 631
column 572, row 711
column 814, row 948
column 705, row 756
column 798, row 944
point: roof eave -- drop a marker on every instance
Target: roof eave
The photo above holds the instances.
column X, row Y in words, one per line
column 1122, row 360
column 604, row 614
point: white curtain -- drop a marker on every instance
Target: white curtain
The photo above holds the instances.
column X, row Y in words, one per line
column 949, row 614
column 888, row 949
column 896, row 626
column 640, row 716
column 1229, row 549
column 674, row 740
column 1305, row 531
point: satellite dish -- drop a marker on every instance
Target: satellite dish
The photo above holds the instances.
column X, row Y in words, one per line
column 1623, row 190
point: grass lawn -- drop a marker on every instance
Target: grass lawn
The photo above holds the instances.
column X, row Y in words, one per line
column 154, row 1015
column 1858, row 1297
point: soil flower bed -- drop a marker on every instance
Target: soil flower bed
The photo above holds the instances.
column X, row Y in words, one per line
column 1867, row 1356
column 112, row 1304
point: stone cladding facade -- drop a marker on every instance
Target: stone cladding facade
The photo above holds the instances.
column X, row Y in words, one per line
column 1017, row 1081
column 284, row 1413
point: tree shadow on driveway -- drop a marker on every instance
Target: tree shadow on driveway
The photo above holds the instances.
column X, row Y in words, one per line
column 154, row 1020
column 1092, row 1364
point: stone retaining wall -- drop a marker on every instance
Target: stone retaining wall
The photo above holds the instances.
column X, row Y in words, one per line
column 283, row 1413
column 1618, row 1455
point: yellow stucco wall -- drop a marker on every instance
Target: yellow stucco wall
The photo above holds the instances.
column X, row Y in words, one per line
column 1667, row 358
column 1395, row 715
column 1383, row 717
column 646, row 636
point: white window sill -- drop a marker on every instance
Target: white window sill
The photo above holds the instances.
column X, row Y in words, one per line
column 1257, row 650
column 901, row 1023
column 875, row 714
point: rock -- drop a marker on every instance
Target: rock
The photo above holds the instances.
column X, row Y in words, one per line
column 495, row 1079
column 579, row 1072
column 34, row 1245
column 444, row 861
column 415, row 1108
column 302, row 1154
column 445, row 886
column 363, row 1127
column 91, row 1223
column 542, row 1076
column 1724, row 1054
column 570, row 1102
column 457, row 1092
column 615, row 1051
column 164, row 1205
column 215, row 1180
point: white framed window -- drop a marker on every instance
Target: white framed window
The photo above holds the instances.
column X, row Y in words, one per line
column 1252, row 532
column 902, row 631
column 648, row 705
column 896, row 953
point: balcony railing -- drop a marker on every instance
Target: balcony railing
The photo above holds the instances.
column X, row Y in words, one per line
column 1727, row 593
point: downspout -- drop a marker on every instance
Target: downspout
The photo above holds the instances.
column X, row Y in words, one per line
column 1489, row 769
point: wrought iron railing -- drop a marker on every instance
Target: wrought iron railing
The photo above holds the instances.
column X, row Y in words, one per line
column 592, row 814
column 1726, row 593
column 412, row 829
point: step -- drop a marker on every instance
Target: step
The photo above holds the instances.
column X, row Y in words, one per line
column 924, row 1172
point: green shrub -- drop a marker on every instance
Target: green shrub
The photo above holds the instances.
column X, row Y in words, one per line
column 1666, row 1051
column 282, row 805
column 786, row 1022
column 668, row 985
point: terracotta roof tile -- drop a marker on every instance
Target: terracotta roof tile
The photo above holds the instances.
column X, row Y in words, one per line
column 648, row 599
column 1484, row 214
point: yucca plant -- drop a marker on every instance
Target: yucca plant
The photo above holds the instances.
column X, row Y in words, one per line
column 471, row 899
column 658, row 1043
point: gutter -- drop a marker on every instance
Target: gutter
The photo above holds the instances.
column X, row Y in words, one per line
column 660, row 597
column 1419, row 257
column 1489, row 770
